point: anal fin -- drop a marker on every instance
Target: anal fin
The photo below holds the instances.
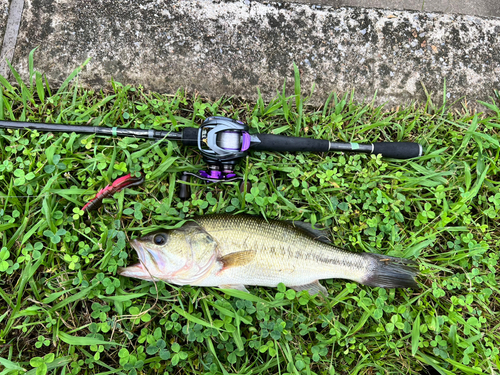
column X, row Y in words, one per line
column 313, row 288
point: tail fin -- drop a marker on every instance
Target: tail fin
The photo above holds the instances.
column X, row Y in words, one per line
column 390, row 272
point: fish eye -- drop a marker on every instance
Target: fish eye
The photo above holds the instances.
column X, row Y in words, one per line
column 160, row 239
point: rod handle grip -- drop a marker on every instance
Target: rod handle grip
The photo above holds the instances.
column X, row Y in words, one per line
column 282, row 143
column 398, row 150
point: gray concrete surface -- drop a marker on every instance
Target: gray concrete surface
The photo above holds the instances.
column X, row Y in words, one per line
column 4, row 13
column 218, row 47
column 483, row 8
column 10, row 31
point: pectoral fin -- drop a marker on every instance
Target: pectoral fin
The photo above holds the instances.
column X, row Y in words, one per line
column 237, row 259
column 313, row 288
column 235, row 286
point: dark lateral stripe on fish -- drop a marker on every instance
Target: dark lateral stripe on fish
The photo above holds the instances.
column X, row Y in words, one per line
column 332, row 258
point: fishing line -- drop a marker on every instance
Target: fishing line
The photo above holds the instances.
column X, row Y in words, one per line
column 123, row 317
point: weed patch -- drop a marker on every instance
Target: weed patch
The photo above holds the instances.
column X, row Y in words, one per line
column 65, row 310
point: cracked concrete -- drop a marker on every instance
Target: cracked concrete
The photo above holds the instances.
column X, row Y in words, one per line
column 234, row 47
column 483, row 8
column 4, row 14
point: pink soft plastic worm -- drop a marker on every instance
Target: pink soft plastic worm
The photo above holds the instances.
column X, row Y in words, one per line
column 117, row 185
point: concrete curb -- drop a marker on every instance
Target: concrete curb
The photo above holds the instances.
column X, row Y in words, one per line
column 234, row 47
column 481, row 8
column 11, row 16
column 4, row 14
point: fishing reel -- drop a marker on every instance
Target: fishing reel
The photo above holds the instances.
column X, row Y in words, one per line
column 222, row 142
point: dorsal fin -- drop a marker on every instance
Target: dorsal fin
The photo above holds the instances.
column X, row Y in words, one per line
column 315, row 233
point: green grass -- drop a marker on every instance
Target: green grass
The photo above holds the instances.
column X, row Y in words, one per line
column 64, row 310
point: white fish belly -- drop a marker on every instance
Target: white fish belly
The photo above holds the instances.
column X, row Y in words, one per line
column 272, row 273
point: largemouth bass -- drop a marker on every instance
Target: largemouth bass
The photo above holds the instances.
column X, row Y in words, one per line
column 231, row 251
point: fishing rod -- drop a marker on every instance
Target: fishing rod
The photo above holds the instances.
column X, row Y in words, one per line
column 222, row 142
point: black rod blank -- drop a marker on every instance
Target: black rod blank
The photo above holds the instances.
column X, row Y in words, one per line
column 97, row 130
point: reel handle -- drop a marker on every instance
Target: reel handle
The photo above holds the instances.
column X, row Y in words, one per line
column 184, row 189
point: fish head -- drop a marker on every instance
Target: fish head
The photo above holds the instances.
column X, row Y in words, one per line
column 181, row 256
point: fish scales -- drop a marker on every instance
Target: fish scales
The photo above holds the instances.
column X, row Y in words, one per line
column 289, row 245
column 232, row 251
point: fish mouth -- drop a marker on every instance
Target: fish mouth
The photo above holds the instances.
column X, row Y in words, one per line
column 138, row 270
